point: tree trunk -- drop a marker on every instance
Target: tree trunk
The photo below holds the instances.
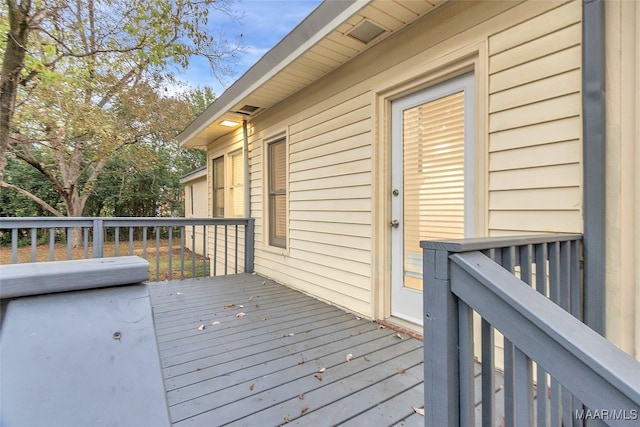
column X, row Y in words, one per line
column 12, row 65
column 75, row 207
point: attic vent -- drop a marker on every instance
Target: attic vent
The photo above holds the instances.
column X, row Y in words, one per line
column 248, row 109
column 366, row 31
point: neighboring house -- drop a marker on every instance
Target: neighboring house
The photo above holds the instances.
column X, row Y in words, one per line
column 195, row 205
column 376, row 124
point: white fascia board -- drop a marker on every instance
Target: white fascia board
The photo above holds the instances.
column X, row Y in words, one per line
column 320, row 23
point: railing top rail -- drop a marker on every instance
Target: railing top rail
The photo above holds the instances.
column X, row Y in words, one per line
column 44, row 222
column 484, row 243
column 520, row 313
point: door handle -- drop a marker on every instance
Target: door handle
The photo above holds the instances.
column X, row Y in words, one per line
column 395, row 223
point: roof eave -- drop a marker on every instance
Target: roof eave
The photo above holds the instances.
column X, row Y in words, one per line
column 324, row 19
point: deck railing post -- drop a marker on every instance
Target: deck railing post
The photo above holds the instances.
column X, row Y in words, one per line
column 249, row 239
column 98, row 238
column 441, row 367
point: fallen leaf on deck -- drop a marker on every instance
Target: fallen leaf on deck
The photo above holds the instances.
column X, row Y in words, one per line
column 419, row 411
column 250, row 299
column 230, row 305
column 397, row 335
column 318, row 376
column 382, row 327
column 251, row 387
column 401, row 371
column 287, row 420
column 358, row 318
column 349, row 357
column 241, row 306
column 291, row 334
column 366, row 359
column 241, row 314
column 215, row 323
column 201, row 328
column 264, row 283
column 322, row 370
column 301, row 396
column 303, row 410
column 178, row 293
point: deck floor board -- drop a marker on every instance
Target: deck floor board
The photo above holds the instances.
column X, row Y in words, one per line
column 283, row 361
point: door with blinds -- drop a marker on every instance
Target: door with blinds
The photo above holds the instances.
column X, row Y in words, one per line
column 432, row 188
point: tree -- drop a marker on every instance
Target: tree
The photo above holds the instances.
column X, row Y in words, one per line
column 82, row 80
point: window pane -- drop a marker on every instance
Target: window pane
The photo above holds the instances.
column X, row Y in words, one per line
column 277, row 194
column 218, row 187
column 236, row 192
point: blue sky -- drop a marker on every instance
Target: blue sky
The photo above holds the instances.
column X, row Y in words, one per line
column 264, row 24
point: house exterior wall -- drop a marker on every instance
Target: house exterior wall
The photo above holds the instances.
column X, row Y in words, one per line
column 526, row 58
column 195, row 207
column 622, row 24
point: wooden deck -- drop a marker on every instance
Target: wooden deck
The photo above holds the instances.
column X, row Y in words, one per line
column 284, row 361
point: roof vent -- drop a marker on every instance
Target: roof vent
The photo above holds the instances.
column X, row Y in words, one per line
column 366, row 31
column 248, row 109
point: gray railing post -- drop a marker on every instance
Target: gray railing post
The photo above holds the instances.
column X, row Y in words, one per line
column 441, row 367
column 98, row 238
column 249, row 239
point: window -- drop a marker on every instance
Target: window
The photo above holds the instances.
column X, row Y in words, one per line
column 236, row 191
column 218, row 186
column 191, row 197
column 277, row 193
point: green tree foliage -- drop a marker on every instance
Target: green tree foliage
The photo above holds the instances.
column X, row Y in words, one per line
column 90, row 91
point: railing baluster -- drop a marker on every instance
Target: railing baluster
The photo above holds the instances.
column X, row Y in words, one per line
column 523, row 388
column 215, row 250
column 575, row 288
column 488, row 374
column 144, row 242
column 509, row 384
column 236, row 254
column 157, row 253
column 182, row 243
column 117, row 241
column 130, row 240
column 554, row 272
column 526, row 264
column 34, row 238
column 466, row 360
column 14, row 246
column 204, row 250
column 52, row 244
column 540, row 253
column 193, row 252
column 69, row 241
column 170, row 273
column 85, row 242
column 226, row 248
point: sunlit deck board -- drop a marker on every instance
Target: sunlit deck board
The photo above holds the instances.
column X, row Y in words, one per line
column 260, row 368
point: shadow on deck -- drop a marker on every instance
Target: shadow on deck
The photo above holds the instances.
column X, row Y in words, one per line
column 283, row 362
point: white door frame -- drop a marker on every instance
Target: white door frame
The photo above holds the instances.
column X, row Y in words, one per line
column 406, row 303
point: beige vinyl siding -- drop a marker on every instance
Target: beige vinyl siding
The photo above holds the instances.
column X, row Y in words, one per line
column 196, row 196
column 528, row 126
column 622, row 25
column 535, row 144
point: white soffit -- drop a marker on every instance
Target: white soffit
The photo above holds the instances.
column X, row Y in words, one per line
column 320, row 44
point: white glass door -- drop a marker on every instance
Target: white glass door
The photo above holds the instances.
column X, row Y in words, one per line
column 431, row 194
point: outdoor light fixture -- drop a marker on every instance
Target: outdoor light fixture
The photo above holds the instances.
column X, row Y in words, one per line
column 229, row 123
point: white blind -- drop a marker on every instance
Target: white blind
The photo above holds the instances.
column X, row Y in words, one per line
column 278, row 193
column 433, row 151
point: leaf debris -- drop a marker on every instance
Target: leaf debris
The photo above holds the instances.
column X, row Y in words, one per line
column 318, row 376
column 366, row 359
column 301, row 396
column 349, row 357
column 401, row 371
column 241, row 314
column 322, row 370
column 230, row 305
column 201, row 327
column 303, row 410
column 215, row 322
column 397, row 335
column 419, row 411
column 251, row 387
column 250, row 298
